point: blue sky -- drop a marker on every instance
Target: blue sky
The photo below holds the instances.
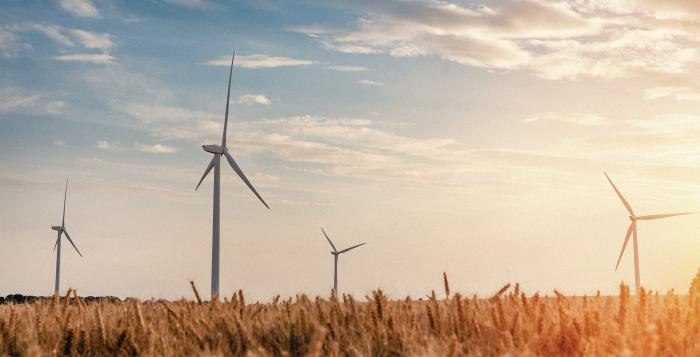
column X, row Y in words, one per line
column 467, row 137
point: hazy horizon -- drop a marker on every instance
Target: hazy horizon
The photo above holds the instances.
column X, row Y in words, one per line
column 464, row 137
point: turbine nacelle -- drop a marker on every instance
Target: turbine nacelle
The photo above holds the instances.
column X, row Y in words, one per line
column 214, row 149
column 633, row 218
column 57, row 228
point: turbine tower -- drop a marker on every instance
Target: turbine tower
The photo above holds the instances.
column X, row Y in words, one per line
column 62, row 230
column 632, row 231
column 215, row 163
column 335, row 254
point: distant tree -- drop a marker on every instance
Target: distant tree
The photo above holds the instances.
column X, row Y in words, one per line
column 695, row 285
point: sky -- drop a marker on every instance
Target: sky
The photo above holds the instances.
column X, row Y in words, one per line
column 463, row 137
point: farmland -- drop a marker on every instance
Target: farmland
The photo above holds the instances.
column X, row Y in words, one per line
column 442, row 323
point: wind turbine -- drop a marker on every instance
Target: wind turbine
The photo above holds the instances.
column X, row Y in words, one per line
column 335, row 254
column 61, row 230
column 632, row 231
column 218, row 151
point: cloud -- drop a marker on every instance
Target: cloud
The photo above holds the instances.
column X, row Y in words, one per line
column 348, row 68
column 80, row 8
column 55, row 33
column 69, row 37
column 10, row 45
column 367, row 82
column 254, row 99
column 86, row 57
column 188, row 3
column 106, row 145
column 552, row 39
column 155, row 149
column 12, row 100
column 11, row 103
column 55, row 107
column 100, row 41
column 59, row 143
column 675, row 92
column 349, row 147
column 583, row 119
column 260, row 61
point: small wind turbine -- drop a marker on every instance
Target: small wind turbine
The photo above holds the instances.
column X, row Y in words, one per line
column 61, row 230
column 632, row 230
column 335, row 254
column 218, row 151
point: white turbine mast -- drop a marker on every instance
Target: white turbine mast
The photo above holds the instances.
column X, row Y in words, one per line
column 632, row 231
column 218, row 151
column 61, row 230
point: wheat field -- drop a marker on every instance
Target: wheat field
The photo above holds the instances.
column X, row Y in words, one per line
column 508, row 323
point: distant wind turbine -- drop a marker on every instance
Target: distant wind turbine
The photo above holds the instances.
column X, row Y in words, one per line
column 335, row 254
column 218, row 151
column 632, row 231
column 61, row 230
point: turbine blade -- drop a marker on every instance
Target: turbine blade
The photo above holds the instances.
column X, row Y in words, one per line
column 240, row 173
column 351, row 248
column 329, row 240
column 624, row 201
column 624, row 245
column 71, row 243
column 206, row 172
column 65, row 195
column 57, row 239
column 228, row 96
column 657, row 216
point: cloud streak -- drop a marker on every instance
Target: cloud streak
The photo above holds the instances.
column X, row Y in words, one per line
column 367, row 82
column 80, row 8
column 86, row 57
column 258, row 61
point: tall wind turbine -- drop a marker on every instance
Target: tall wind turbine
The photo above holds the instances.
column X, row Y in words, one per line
column 335, row 254
column 632, row 231
column 61, row 230
column 218, row 151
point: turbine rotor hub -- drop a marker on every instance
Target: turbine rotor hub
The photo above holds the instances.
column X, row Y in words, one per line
column 633, row 218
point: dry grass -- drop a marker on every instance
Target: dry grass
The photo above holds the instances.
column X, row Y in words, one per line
column 507, row 323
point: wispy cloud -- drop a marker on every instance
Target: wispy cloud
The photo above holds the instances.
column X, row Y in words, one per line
column 155, row 148
column 254, row 99
column 100, row 41
column 367, row 82
column 584, row 119
column 675, row 92
column 554, row 40
column 86, row 57
column 260, row 61
column 348, row 68
column 188, row 3
column 10, row 45
column 13, row 100
column 55, row 33
column 59, row 143
column 55, row 106
column 107, row 145
column 80, row 8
